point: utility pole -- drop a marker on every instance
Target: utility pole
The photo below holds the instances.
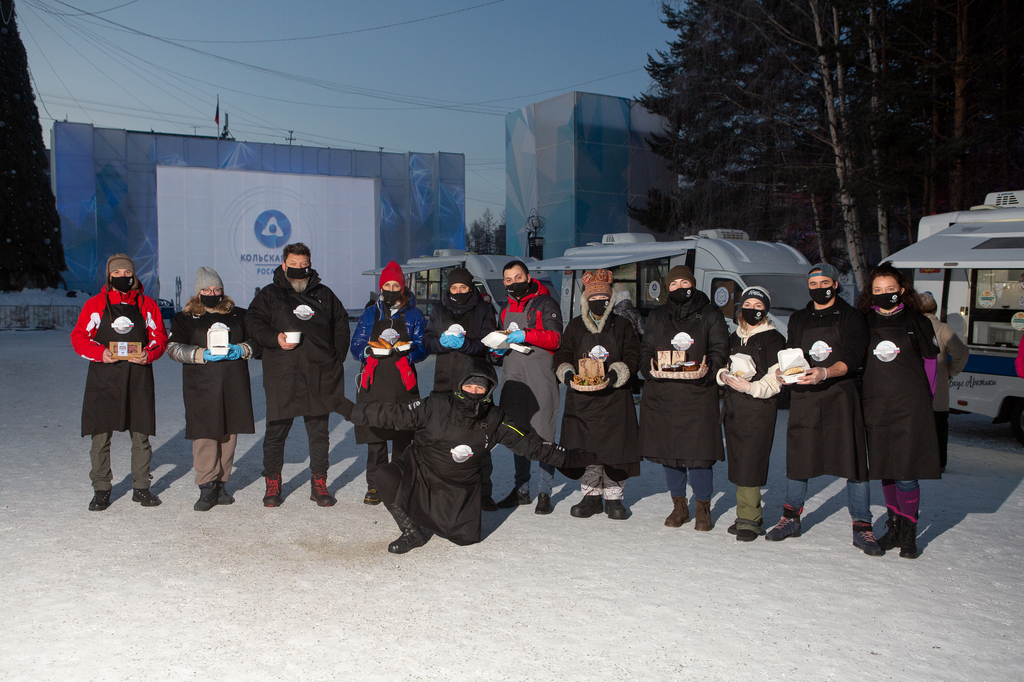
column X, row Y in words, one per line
column 290, row 138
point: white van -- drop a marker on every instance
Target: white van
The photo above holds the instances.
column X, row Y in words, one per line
column 724, row 262
column 425, row 276
column 972, row 262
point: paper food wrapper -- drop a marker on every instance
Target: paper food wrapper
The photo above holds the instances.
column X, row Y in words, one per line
column 790, row 358
column 126, row 350
column 742, row 365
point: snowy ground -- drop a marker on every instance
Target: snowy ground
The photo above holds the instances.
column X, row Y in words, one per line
column 304, row 593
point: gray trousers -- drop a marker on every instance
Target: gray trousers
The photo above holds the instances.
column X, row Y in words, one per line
column 213, row 458
column 99, row 456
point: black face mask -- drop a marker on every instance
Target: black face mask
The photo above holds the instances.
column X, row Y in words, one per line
column 517, row 290
column 298, row 273
column 598, row 307
column 886, row 301
column 211, row 301
column 123, row 284
column 471, row 404
column 390, row 297
column 753, row 316
column 681, row 295
column 822, row 295
column 460, row 299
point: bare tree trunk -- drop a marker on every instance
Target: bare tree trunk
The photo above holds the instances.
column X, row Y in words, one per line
column 874, row 34
column 851, row 221
column 933, row 161
column 816, row 209
column 960, row 75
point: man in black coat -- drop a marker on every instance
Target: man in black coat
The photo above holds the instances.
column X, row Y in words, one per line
column 304, row 331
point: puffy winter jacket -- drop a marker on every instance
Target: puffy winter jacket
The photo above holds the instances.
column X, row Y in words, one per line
column 414, row 321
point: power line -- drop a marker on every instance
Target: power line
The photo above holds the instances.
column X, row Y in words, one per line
column 45, row 58
column 336, row 34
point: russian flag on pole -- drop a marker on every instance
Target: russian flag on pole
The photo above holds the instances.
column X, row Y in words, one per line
column 216, row 117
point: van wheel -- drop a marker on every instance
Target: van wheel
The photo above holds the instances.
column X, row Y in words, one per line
column 1017, row 420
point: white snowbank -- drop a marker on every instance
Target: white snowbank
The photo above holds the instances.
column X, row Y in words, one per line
column 304, row 593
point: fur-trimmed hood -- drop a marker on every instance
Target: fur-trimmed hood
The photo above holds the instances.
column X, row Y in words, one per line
column 195, row 306
column 588, row 322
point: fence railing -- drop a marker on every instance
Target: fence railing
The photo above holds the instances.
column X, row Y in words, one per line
column 38, row 316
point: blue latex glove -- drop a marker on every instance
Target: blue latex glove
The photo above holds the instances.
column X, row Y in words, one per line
column 500, row 351
column 235, row 352
column 213, row 358
column 453, row 341
column 518, row 336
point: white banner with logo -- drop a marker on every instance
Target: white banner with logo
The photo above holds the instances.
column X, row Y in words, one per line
column 237, row 222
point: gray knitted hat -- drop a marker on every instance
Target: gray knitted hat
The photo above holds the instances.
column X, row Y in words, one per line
column 208, row 278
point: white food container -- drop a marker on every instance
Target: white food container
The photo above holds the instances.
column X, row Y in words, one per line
column 217, row 339
column 790, row 358
column 456, row 330
column 742, row 365
column 293, row 337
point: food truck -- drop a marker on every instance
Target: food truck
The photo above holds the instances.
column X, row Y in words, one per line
column 972, row 262
column 724, row 263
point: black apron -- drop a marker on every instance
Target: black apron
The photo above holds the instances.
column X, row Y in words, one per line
column 440, row 493
column 450, row 365
column 387, row 386
column 901, row 437
column 826, row 425
column 603, row 422
column 120, row 396
column 529, row 390
column 749, row 424
column 680, row 419
column 217, row 395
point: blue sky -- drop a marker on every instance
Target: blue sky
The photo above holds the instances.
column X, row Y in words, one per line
column 435, row 84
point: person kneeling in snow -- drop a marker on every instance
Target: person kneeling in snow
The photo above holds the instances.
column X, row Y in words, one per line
column 436, row 482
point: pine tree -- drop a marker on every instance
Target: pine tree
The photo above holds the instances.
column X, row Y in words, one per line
column 31, row 250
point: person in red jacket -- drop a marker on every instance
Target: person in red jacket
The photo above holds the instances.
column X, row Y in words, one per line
column 119, row 394
column 529, row 390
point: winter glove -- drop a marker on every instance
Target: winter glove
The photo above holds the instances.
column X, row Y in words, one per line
column 453, row 341
column 408, row 376
column 235, row 352
column 612, row 376
column 212, row 358
column 577, row 459
column 345, row 408
column 499, row 351
column 367, row 351
column 518, row 336
column 567, row 377
column 367, row 374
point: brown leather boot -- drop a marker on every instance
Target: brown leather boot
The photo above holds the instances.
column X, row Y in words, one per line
column 703, row 521
column 680, row 513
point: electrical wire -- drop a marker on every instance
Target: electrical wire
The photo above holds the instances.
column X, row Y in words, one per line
column 47, row 60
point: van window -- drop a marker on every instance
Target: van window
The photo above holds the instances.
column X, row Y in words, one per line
column 997, row 308
column 650, row 284
column 426, row 286
column 725, row 293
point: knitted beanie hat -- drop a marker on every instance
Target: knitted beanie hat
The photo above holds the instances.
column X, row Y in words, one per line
column 392, row 273
column 120, row 261
column 207, row 278
column 597, row 283
column 680, row 272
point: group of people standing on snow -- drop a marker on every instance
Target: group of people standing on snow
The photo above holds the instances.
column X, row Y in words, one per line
column 861, row 409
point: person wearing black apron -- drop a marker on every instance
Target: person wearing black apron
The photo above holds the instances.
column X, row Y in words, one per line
column 899, row 382
column 680, row 425
column 303, row 330
column 435, row 482
column 825, row 436
column 453, row 335
column 529, row 390
column 119, row 394
column 604, row 421
column 750, row 408
column 387, row 375
column 215, row 387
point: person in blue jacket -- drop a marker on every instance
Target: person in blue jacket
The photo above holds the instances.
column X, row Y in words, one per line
column 394, row 326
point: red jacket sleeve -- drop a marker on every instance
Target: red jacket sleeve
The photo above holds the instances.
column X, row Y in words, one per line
column 85, row 330
column 155, row 328
column 546, row 332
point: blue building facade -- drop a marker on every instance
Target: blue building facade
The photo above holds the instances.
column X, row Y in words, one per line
column 579, row 160
column 105, row 183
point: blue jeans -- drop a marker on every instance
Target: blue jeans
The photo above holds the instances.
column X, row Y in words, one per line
column 544, row 483
column 700, row 481
column 858, row 496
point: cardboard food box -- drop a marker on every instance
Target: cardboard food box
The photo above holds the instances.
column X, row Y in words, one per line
column 126, row 350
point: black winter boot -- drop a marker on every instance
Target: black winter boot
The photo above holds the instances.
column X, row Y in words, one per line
column 208, row 494
column 273, row 497
column 222, row 495
column 516, row 498
column 893, row 532
column 616, row 510
column 588, row 506
column 543, row 504
column 100, row 500
column 318, row 491
column 145, row 498
column 411, row 537
column 908, row 539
